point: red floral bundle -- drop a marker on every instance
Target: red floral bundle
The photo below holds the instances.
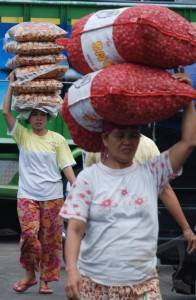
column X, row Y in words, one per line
column 146, row 34
column 125, row 94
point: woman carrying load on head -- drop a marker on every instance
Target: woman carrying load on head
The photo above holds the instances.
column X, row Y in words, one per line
column 42, row 156
column 146, row 150
column 112, row 211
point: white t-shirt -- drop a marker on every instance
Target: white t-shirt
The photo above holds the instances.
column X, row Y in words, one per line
column 120, row 209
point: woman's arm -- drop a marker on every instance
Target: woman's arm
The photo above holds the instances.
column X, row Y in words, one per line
column 169, row 198
column 75, row 233
column 10, row 120
column 69, row 174
column 171, row 202
column 179, row 153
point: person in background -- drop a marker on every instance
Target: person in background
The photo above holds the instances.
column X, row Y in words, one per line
column 146, row 150
column 42, row 154
column 112, row 211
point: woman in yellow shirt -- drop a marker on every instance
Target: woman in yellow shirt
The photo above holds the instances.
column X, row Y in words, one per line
column 42, row 156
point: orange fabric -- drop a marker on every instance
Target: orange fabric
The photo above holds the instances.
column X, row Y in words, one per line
column 41, row 236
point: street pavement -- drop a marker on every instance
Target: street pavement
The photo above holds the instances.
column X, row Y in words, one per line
column 10, row 272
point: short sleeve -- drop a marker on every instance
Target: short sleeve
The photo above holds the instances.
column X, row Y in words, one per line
column 18, row 132
column 64, row 155
column 160, row 168
column 77, row 203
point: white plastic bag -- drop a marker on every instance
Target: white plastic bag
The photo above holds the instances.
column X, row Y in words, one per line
column 22, row 60
column 36, row 31
column 53, row 71
column 44, row 86
column 32, row 101
column 33, row 48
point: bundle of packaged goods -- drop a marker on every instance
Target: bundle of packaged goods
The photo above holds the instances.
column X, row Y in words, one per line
column 38, row 65
column 129, row 51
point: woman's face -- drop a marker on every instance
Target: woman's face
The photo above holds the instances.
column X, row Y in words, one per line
column 38, row 120
column 121, row 145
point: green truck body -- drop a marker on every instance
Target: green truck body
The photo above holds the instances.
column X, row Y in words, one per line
column 63, row 13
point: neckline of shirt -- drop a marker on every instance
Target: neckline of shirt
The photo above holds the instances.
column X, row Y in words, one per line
column 117, row 172
column 40, row 136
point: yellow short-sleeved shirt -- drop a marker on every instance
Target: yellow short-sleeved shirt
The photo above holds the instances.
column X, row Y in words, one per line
column 40, row 161
column 147, row 149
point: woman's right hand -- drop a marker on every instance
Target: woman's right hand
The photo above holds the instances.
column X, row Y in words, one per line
column 72, row 285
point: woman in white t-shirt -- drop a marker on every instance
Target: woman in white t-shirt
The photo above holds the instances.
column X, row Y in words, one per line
column 113, row 223
column 146, row 150
column 42, row 156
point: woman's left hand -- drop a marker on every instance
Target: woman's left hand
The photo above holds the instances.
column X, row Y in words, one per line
column 72, row 284
column 183, row 77
column 191, row 239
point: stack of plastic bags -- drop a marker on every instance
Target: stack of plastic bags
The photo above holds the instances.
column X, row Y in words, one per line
column 38, row 64
column 121, row 91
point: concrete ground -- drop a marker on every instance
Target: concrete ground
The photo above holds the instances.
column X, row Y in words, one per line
column 10, row 271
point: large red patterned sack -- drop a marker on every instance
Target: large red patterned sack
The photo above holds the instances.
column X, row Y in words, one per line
column 126, row 94
column 146, row 34
column 87, row 140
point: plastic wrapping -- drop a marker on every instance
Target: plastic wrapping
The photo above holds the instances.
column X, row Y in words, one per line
column 36, row 31
column 33, row 48
column 51, row 110
column 29, row 73
column 146, row 34
column 37, row 66
column 22, row 60
column 32, row 101
column 45, row 86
